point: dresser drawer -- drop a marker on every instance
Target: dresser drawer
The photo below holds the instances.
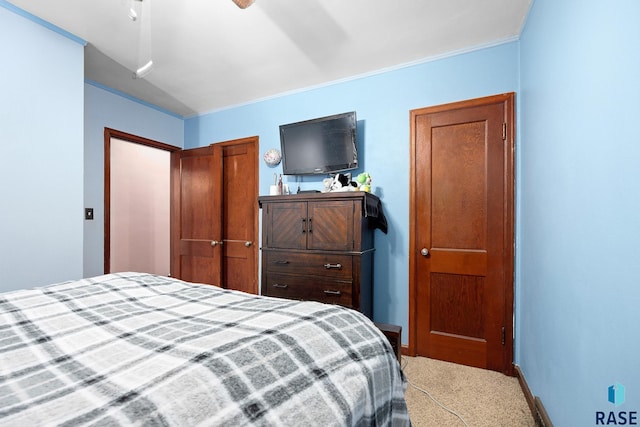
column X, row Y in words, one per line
column 309, row 288
column 328, row 265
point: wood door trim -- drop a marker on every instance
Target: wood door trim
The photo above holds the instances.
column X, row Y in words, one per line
column 248, row 139
column 108, row 134
column 508, row 205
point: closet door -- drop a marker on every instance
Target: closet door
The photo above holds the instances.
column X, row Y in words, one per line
column 196, row 225
column 240, row 215
column 214, row 215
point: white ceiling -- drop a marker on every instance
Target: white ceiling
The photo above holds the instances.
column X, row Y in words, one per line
column 210, row 54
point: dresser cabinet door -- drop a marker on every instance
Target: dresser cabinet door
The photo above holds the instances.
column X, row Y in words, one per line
column 331, row 226
column 286, row 226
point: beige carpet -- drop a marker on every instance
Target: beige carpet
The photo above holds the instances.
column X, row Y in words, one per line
column 481, row 397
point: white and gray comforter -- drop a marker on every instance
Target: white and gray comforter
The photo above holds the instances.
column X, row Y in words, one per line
column 137, row 349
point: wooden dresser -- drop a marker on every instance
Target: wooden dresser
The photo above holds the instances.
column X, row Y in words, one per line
column 319, row 246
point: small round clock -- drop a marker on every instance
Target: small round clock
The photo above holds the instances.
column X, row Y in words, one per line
column 272, row 157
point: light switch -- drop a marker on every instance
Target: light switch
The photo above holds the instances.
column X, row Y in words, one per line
column 88, row 213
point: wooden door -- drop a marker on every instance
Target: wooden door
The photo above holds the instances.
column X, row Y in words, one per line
column 196, row 223
column 240, row 215
column 461, row 248
column 215, row 215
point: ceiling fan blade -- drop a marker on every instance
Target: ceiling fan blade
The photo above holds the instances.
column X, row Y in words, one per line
column 243, row 4
column 142, row 11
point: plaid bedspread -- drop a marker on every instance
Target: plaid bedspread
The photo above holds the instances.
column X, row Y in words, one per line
column 136, row 349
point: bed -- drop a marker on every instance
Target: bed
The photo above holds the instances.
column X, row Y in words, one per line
column 139, row 349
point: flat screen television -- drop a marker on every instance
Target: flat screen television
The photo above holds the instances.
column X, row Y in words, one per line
column 320, row 146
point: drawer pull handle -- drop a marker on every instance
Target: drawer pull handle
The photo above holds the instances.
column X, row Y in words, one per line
column 278, row 285
column 330, row 266
column 337, row 293
column 281, row 261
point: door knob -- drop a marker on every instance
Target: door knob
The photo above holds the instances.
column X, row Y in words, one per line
column 424, row 251
column 215, row 243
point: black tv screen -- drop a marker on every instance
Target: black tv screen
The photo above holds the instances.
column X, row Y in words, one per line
column 319, row 146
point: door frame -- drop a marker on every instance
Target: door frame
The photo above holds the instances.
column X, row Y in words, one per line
column 108, row 134
column 508, row 205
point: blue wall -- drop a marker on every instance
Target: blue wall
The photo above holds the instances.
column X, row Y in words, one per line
column 107, row 108
column 53, row 142
column 41, row 118
column 382, row 102
column 579, row 219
